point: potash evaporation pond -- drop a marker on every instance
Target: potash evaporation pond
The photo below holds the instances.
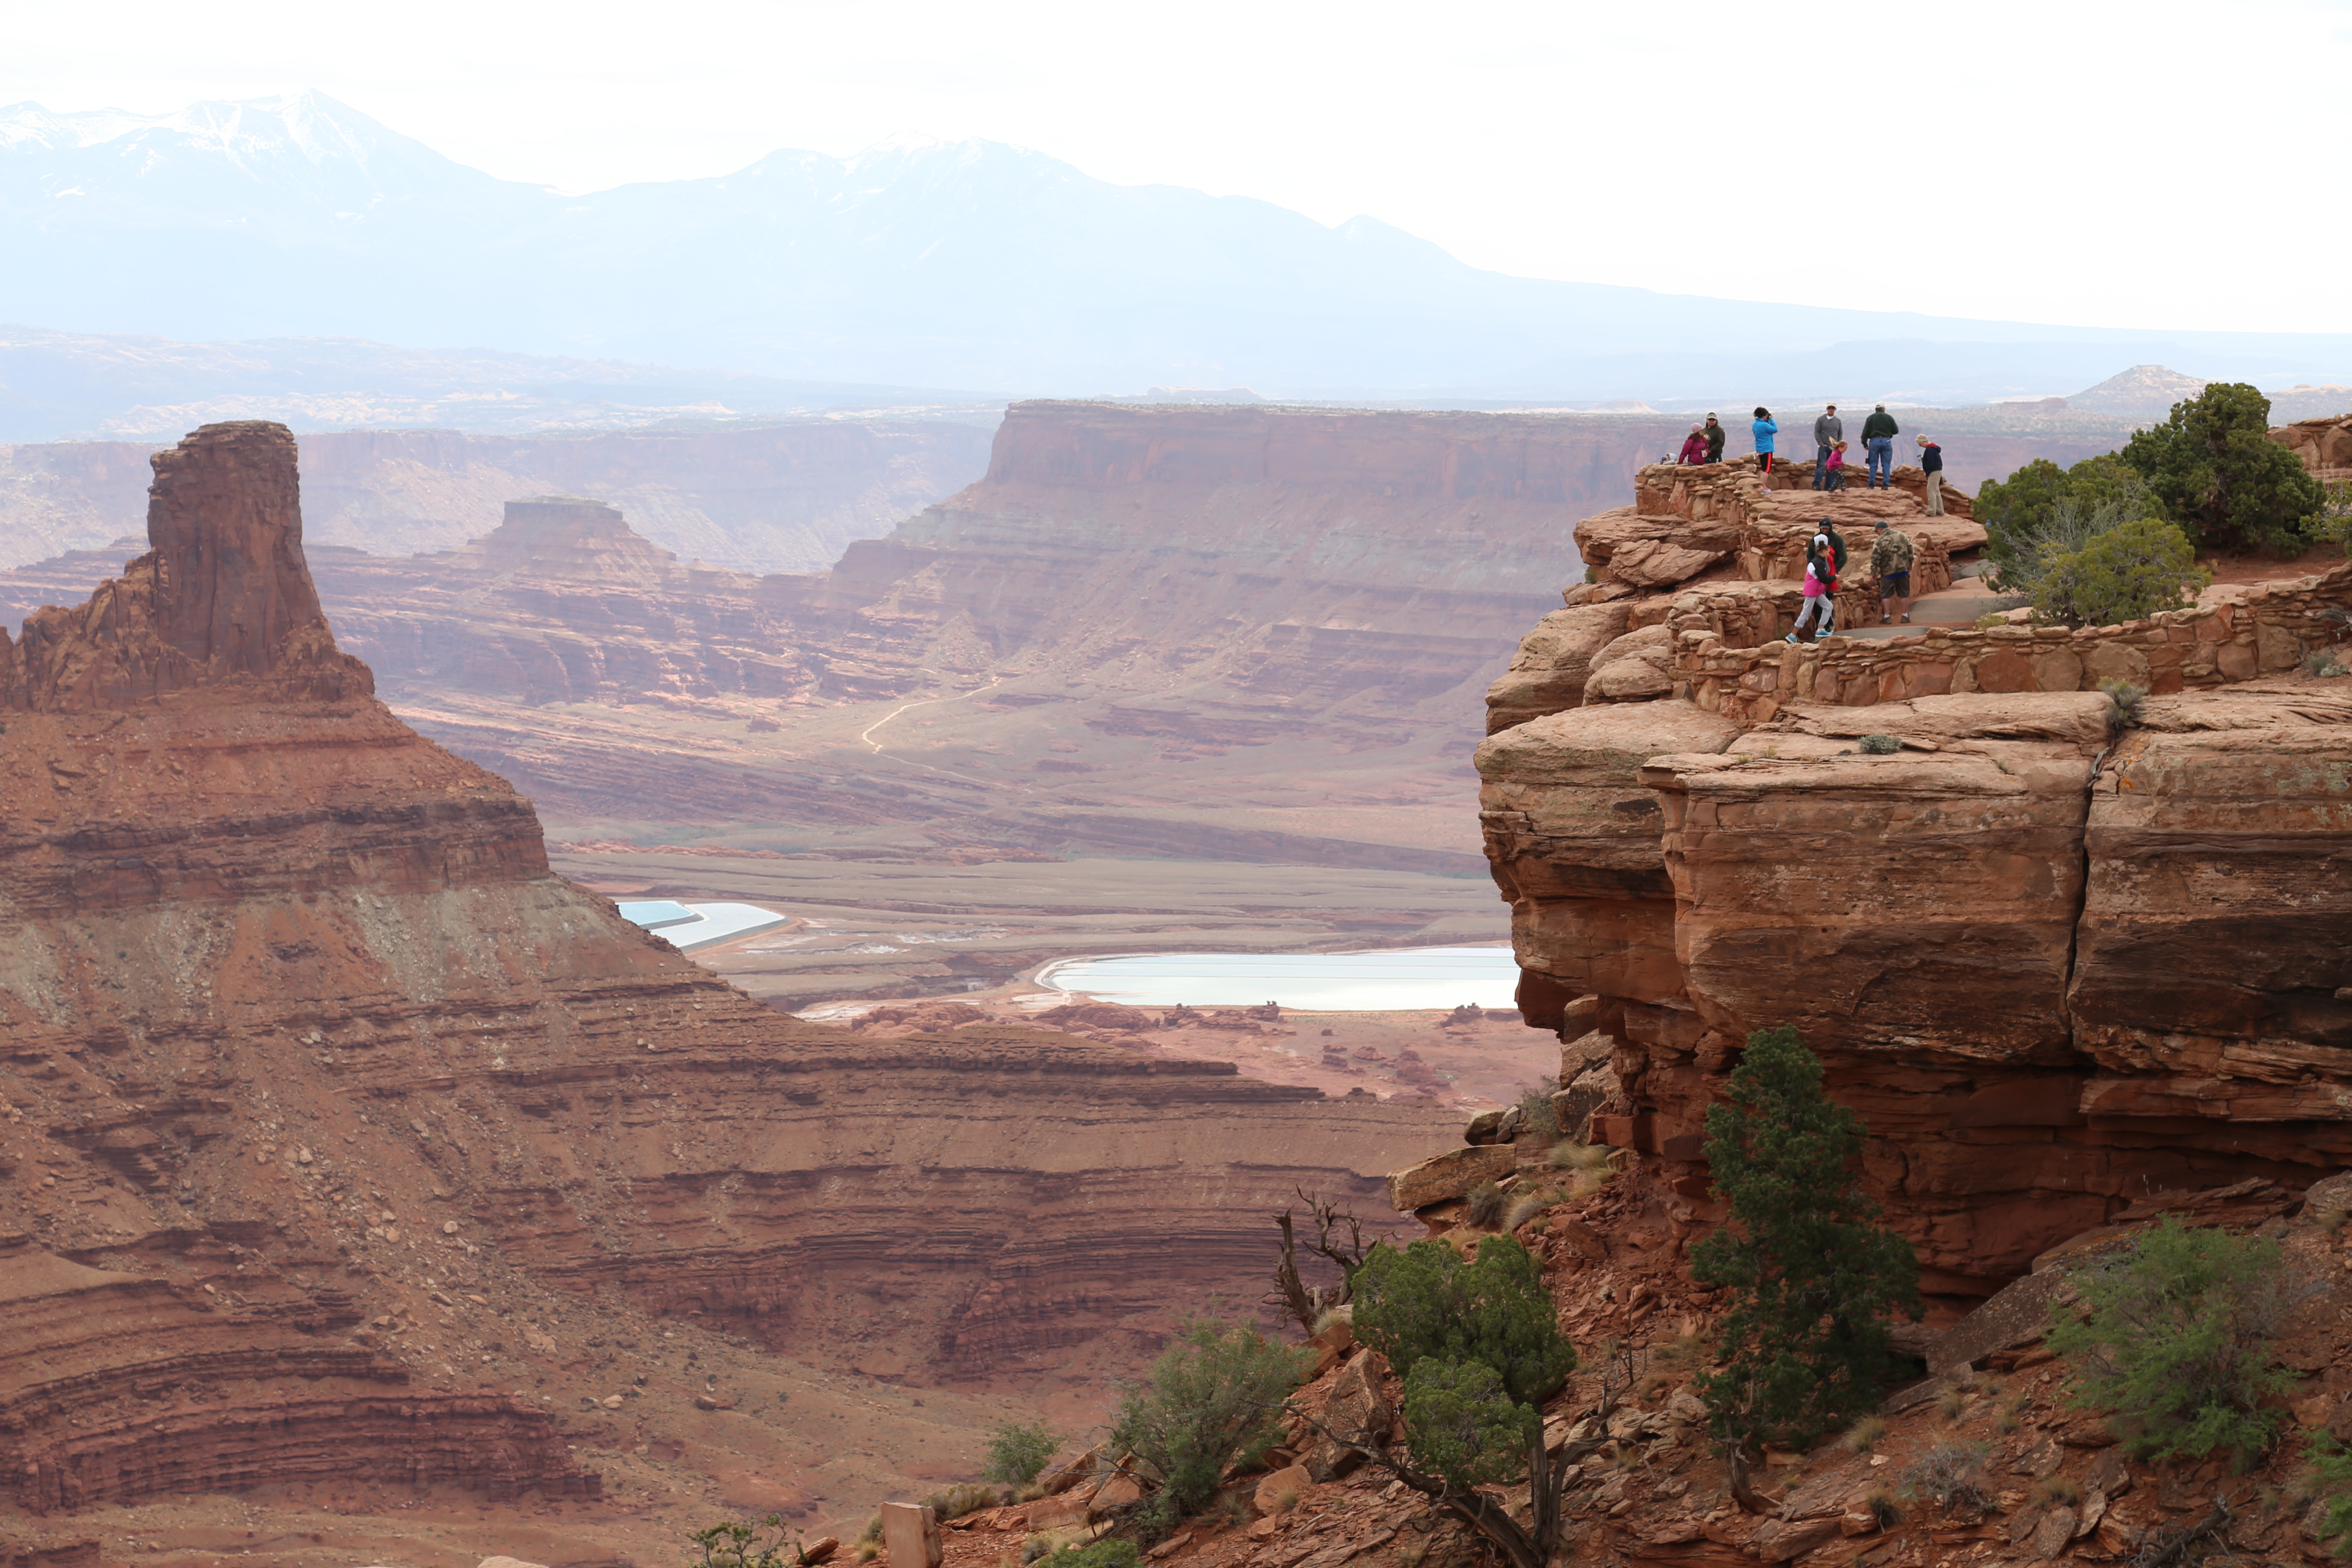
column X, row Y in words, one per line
column 1395, row 979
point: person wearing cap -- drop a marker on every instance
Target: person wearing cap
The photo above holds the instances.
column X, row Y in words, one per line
column 1890, row 563
column 1829, row 431
column 1715, row 434
column 1878, row 433
column 1931, row 463
column 1694, row 450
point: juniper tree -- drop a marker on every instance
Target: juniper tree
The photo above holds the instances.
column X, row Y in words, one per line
column 1478, row 1347
column 1813, row 1281
column 2217, row 473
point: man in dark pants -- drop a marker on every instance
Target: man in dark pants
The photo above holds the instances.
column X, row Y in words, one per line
column 1828, row 431
column 1878, row 433
column 1713, row 440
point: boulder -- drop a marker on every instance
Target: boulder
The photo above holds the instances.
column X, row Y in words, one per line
column 1357, row 1412
column 910, row 1534
column 1547, row 672
column 1291, row 1481
column 1449, row 1175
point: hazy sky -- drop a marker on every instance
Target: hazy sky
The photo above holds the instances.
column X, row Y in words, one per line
column 2141, row 163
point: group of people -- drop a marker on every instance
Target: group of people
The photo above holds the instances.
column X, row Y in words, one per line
column 1890, row 564
column 1705, row 444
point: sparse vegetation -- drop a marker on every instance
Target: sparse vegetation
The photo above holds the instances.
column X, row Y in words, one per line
column 1525, row 1206
column 2323, row 662
column 1880, row 745
column 1483, row 1209
column 2125, row 703
column 2213, row 469
column 1285, row 1499
column 1338, row 1241
column 2179, row 1342
column 1953, row 1403
column 2327, row 1474
column 1881, row 1508
column 1213, row 1399
column 1590, row 1161
column 1950, row 1475
column 770, row 1544
column 1111, row 1552
column 1813, row 1281
column 1539, row 1119
column 1865, row 1435
column 1016, row 1453
column 2012, row 1411
column 2059, row 1489
column 963, row 1497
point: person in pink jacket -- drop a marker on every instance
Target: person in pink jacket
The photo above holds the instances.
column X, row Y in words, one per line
column 1820, row 608
column 1694, row 446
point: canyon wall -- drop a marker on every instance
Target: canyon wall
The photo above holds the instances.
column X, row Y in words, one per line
column 323, row 1096
column 761, row 498
column 2069, row 962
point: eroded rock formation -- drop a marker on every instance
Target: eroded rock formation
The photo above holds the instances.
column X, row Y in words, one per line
column 2064, row 960
column 319, row 1088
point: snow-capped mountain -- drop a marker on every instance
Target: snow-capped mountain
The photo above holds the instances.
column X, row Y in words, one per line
column 968, row 264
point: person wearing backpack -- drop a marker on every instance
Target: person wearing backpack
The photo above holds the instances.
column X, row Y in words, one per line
column 1878, row 433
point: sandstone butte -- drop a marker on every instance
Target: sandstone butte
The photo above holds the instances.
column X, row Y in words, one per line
column 2065, row 971
column 321, row 1098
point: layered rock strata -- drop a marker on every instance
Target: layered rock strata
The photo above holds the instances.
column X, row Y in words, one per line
column 2062, row 961
column 297, row 1019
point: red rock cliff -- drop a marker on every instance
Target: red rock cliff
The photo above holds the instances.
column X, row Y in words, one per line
column 302, row 1037
column 2063, row 967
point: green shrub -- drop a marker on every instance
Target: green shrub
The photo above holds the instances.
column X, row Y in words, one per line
column 1214, row 1397
column 1111, row 1552
column 2329, row 1476
column 2018, row 511
column 2177, row 1343
column 1880, row 745
column 2213, row 469
column 770, row 1544
column 1538, row 1118
column 2126, row 572
column 2125, row 701
column 1016, row 1453
column 1805, row 1344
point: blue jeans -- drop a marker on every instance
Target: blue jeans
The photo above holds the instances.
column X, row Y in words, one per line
column 1881, row 461
column 1821, row 467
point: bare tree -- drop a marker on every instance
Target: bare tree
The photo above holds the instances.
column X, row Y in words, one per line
column 1339, row 1240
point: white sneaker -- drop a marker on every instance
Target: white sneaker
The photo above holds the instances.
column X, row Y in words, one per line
column 1793, row 637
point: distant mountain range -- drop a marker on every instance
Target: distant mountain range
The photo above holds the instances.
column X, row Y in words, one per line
column 918, row 264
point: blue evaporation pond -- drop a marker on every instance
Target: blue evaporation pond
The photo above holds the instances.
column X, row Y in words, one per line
column 1399, row 978
column 691, row 927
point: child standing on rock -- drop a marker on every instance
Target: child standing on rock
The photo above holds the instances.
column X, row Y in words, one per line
column 1820, row 608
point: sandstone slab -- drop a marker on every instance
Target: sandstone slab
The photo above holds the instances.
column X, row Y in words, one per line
column 1450, row 1175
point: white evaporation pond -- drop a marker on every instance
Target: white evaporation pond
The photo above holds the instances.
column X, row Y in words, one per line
column 687, row 927
column 1396, row 978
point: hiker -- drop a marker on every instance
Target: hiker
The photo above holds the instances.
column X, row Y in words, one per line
column 1694, row 448
column 1829, row 433
column 1878, row 433
column 1931, row 463
column 1834, row 466
column 1890, row 563
column 1714, row 434
column 1764, row 429
column 1820, row 588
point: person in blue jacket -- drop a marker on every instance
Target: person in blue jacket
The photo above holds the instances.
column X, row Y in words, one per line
column 1765, row 430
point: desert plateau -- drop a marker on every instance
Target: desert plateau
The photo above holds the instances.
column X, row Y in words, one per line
column 910, row 787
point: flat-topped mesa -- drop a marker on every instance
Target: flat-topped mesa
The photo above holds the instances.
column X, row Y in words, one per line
column 567, row 536
column 222, row 597
column 2072, row 963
